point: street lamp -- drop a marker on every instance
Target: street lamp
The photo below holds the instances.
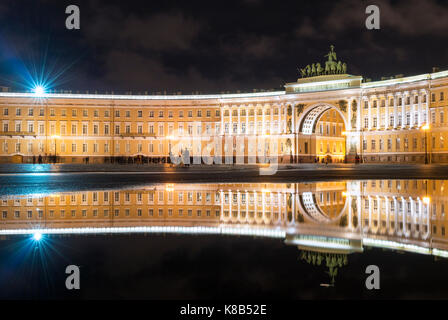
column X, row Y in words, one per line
column 55, row 137
column 425, row 129
column 344, row 133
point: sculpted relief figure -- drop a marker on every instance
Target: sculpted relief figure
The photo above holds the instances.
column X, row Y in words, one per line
column 339, row 67
column 318, row 68
column 313, row 69
column 344, row 68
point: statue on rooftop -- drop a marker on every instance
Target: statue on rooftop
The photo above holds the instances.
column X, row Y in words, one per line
column 332, row 66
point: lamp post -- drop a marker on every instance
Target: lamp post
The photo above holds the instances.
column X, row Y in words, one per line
column 344, row 133
column 55, row 137
column 425, row 129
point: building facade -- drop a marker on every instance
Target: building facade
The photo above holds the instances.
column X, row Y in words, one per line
column 324, row 117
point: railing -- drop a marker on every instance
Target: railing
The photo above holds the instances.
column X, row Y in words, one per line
column 17, row 133
column 135, row 134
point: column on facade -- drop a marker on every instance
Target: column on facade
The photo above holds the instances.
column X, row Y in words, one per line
column 349, row 114
column 386, row 113
column 403, row 110
column 247, row 119
column 238, row 130
column 369, row 113
column 279, row 118
column 293, row 117
column 255, row 121
column 369, row 199
column 413, row 122
column 396, row 110
column 222, row 121
column 411, row 205
column 263, row 118
column 420, row 115
column 427, row 106
column 271, row 120
column 230, row 120
column 378, row 119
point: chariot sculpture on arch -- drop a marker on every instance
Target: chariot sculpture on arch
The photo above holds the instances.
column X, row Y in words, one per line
column 332, row 66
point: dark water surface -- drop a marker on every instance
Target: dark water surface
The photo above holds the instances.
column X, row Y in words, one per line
column 227, row 240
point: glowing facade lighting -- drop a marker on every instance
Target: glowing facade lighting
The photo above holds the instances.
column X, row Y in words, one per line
column 426, row 200
column 425, row 127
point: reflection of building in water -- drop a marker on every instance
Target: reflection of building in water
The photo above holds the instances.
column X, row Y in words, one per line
column 336, row 217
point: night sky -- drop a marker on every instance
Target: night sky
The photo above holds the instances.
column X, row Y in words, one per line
column 212, row 46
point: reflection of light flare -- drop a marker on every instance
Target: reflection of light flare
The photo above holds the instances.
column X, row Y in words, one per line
column 37, row 236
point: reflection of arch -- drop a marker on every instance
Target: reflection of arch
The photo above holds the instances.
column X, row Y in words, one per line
column 311, row 117
column 308, row 206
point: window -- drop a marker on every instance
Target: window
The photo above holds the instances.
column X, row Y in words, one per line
column 128, row 114
column 85, row 113
column 151, row 114
column 140, row 113
column 160, row 114
column 31, row 112
column 74, row 112
column 199, row 113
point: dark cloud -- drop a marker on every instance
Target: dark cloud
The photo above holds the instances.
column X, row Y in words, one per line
column 210, row 47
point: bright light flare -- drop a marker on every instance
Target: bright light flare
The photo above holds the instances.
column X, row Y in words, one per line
column 37, row 236
column 39, row 90
column 425, row 127
column 426, row 200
